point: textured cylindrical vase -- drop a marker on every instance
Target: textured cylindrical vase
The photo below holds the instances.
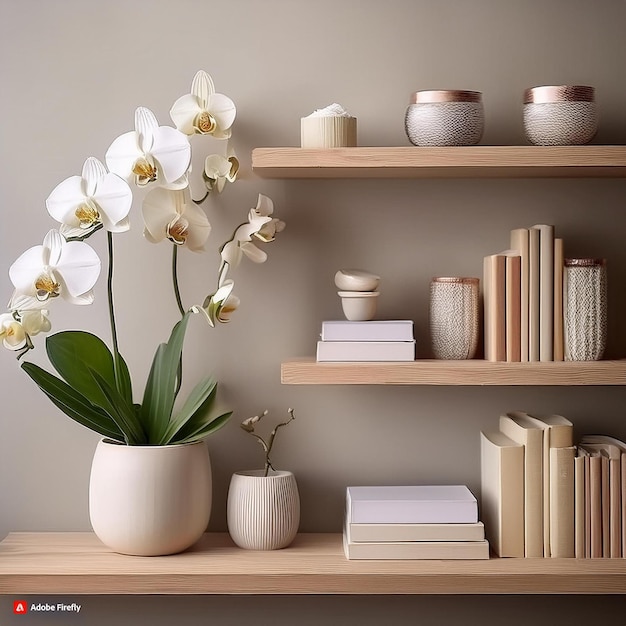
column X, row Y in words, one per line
column 454, row 319
column 445, row 117
column 150, row 500
column 263, row 512
column 584, row 309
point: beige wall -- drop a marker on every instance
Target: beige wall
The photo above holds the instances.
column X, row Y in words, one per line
column 73, row 72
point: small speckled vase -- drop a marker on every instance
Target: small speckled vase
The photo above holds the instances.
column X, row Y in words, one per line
column 445, row 118
column 263, row 512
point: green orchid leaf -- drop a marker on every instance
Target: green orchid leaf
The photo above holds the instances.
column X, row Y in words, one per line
column 123, row 413
column 73, row 403
column 206, row 429
column 198, row 401
column 163, row 383
column 74, row 353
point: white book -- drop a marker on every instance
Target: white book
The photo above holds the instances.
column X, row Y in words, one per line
column 413, row 504
column 417, row 532
column 373, row 330
column 405, row 550
column 366, row 350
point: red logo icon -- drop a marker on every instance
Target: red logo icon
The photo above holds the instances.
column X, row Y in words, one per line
column 20, row 607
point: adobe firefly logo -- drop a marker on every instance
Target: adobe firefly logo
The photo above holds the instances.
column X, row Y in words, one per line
column 20, row 607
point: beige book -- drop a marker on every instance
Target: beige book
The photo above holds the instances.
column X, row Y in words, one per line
column 519, row 427
column 519, row 242
column 559, row 261
column 546, row 291
column 494, row 299
column 612, row 442
column 417, row 532
column 595, row 504
column 533, row 294
column 414, row 549
column 512, row 305
column 558, row 432
column 579, row 506
column 502, row 493
column 562, row 534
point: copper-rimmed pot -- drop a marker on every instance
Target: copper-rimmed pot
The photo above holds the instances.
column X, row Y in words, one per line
column 445, row 117
column 560, row 115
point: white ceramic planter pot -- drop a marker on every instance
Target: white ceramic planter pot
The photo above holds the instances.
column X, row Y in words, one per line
column 150, row 500
column 263, row 511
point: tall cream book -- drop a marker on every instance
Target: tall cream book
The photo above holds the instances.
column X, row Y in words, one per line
column 558, row 432
column 494, row 307
column 612, row 441
column 559, row 261
column 502, row 493
column 562, row 508
column 533, row 294
column 546, row 291
column 512, row 305
column 519, row 242
column 519, row 427
column 595, row 502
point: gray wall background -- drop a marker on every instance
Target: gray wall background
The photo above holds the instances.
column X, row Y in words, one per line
column 73, row 72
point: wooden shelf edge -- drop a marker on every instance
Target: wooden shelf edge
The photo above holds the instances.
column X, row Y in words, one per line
column 447, row 162
column 77, row 563
column 475, row 372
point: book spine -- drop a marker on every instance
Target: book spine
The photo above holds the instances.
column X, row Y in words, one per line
column 546, row 292
column 579, row 507
column 513, row 308
column 533, row 294
column 494, row 298
column 519, row 242
column 562, row 508
column 559, row 261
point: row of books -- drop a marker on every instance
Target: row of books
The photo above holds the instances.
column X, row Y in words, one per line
column 413, row 522
column 374, row 340
column 523, row 297
column 544, row 496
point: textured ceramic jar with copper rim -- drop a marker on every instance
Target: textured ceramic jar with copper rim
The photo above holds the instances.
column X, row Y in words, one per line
column 445, row 118
column 563, row 115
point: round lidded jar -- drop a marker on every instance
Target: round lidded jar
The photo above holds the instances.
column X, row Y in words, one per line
column 445, row 118
column 563, row 115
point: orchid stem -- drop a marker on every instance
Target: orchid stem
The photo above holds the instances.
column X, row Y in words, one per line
column 110, row 297
column 179, row 301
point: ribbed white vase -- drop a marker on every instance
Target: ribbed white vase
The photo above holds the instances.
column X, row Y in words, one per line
column 263, row 511
column 150, row 500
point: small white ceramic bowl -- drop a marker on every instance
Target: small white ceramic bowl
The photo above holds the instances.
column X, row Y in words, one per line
column 356, row 280
column 359, row 306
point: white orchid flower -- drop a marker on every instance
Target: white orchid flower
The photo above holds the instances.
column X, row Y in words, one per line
column 12, row 333
column 203, row 111
column 63, row 268
column 260, row 225
column 35, row 321
column 219, row 169
column 85, row 203
column 171, row 214
column 220, row 306
column 151, row 153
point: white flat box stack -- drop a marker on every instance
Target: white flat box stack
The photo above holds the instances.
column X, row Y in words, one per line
column 372, row 340
column 413, row 522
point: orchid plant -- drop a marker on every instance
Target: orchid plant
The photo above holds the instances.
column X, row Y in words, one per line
column 92, row 384
column 267, row 444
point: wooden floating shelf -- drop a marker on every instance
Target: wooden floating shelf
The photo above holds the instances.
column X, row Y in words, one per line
column 472, row 372
column 77, row 563
column 450, row 162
